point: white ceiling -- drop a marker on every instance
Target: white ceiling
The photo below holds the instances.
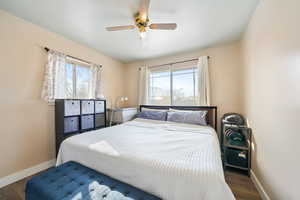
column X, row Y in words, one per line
column 201, row 23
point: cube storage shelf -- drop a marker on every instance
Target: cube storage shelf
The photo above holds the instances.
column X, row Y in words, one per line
column 75, row 116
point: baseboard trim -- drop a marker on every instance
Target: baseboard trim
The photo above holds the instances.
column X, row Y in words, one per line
column 25, row 173
column 259, row 186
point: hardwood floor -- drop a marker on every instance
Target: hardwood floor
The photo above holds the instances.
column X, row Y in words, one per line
column 14, row 191
column 241, row 186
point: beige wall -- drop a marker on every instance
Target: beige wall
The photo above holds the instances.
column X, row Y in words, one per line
column 268, row 74
column 27, row 122
column 272, row 95
column 225, row 69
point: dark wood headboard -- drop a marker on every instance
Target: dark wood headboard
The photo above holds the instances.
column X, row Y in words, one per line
column 211, row 116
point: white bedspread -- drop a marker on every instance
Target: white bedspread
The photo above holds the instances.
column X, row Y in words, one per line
column 171, row 160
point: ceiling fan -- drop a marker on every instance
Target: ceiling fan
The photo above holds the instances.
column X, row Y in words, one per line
column 142, row 22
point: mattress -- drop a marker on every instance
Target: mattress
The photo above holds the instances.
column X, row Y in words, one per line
column 171, row 160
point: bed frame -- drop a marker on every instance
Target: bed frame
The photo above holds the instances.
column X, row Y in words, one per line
column 211, row 116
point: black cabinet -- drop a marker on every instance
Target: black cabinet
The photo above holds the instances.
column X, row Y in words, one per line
column 75, row 116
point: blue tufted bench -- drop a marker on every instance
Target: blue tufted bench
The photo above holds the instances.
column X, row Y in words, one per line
column 74, row 181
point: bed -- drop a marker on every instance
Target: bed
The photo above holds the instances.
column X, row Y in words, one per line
column 174, row 161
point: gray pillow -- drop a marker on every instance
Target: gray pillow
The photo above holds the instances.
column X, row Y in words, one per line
column 155, row 115
column 193, row 117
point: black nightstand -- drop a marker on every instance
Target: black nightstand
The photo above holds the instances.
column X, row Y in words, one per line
column 236, row 147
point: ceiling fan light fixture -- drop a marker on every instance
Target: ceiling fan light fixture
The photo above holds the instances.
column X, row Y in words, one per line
column 143, row 34
column 142, row 22
column 144, row 17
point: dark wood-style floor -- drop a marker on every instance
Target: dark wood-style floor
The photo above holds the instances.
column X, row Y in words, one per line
column 241, row 186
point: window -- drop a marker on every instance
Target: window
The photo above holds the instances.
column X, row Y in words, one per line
column 159, row 87
column 67, row 77
column 78, row 80
column 173, row 85
column 184, row 89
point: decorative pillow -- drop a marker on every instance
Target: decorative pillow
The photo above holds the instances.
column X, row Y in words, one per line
column 155, row 115
column 192, row 117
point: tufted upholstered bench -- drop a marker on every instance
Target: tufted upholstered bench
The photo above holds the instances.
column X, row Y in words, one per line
column 74, row 181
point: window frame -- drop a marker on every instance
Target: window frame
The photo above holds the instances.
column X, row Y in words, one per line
column 156, row 69
column 75, row 63
column 171, row 71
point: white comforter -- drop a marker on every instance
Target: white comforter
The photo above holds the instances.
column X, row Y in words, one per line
column 170, row 160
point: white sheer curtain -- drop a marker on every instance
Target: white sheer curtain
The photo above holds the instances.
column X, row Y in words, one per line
column 143, row 86
column 54, row 85
column 203, row 82
column 56, row 79
column 95, row 89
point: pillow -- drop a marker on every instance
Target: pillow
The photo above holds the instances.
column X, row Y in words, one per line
column 188, row 117
column 155, row 115
column 154, row 109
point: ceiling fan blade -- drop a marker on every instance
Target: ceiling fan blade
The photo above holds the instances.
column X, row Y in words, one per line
column 164, row 26
column 144, row 8
column 120, row 28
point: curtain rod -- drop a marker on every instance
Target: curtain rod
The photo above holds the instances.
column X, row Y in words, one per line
column 47, row 49
column 172, row 63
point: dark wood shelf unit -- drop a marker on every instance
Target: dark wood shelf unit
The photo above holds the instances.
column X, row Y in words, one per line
column 76, row 116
